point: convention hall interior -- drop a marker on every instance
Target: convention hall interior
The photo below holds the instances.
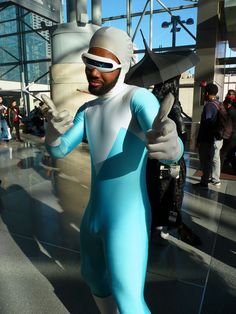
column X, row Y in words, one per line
column 42, row 199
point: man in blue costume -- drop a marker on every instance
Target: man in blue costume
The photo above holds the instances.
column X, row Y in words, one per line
column 122, row 128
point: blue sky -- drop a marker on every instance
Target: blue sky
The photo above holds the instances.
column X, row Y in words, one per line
column 161, row 37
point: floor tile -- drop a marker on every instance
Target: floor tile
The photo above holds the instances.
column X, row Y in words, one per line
column 41, row 206
column 24, row 289
column 169, row 296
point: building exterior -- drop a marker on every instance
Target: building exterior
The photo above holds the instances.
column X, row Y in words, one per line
column 25, row 52
column 22, row 39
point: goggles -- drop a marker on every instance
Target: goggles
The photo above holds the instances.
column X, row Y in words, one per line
column 100, row 63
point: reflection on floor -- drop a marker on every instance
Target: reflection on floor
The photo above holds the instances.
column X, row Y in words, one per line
column 39, row 240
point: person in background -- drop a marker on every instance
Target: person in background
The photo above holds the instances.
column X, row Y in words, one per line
column 14, row 119
column 208, row 146
column 169, row 192
column 229, row 144
column 122, row 125
column 3, row 121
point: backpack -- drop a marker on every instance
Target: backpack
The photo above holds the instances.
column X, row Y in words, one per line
column 223, row 126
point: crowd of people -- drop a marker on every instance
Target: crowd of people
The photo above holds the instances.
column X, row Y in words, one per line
column 11, row 120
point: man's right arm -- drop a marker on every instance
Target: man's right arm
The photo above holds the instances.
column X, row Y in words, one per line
column 70, row 139
column 63, row 134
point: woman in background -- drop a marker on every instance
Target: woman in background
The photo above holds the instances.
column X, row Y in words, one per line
column 14, row 119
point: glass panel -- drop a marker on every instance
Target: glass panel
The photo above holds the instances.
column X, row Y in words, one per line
column 36, row 70
column 10, row 73
column 9, row 49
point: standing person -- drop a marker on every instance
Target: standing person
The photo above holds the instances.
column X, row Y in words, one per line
column 230, row 106
column 14, row 119
column 3, row 121
column 209, row 147
column 166, row 194
column 118, row 125
column 172, row 86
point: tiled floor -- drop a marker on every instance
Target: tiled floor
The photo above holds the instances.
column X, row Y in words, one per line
column 39, row 240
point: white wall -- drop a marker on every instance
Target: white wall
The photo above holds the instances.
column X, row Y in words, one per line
column 186, row 93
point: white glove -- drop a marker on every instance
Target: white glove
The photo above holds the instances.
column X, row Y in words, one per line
column 162, row 139
column 58, row 122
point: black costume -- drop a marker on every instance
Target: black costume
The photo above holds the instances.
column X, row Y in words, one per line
column 166, row 192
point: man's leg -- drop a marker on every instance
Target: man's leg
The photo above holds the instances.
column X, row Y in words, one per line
column 17, row 128
column 206, row 153
column 95, row 274
column 126, row 251
column 216, row 164
column 4, row 130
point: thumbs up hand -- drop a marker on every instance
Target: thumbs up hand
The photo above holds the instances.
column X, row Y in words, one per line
column 162, row 139
column 58, row 122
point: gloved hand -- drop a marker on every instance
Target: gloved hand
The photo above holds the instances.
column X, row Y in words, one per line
column 58, row 122
column 162, row 139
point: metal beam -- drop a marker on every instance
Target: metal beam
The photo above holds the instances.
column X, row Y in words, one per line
column 140, row 20
column 226, row 61
column 124, row 16
column 230, row 71
column 12, row 68
column 23, row 32
column 162, row 49
column 25, row 62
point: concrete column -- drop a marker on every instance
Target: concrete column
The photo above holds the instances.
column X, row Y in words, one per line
column 209, row 47
column 69, row 41
column 68, row 81
column 71, row 10
column 77, row 11
column 96, row 12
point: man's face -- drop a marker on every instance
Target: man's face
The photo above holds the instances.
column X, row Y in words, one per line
column 1, row 100
column 101, row 82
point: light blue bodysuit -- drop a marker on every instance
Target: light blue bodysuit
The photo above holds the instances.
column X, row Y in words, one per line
column 116, row 223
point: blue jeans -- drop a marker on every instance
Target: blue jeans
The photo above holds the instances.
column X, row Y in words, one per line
column 206, row 154
column 4, row 129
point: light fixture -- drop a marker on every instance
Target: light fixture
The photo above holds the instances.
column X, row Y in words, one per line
column 190, row 21
column 175, row 22
column 165, row 25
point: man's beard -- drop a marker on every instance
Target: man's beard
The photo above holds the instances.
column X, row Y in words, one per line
column 104, row 89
